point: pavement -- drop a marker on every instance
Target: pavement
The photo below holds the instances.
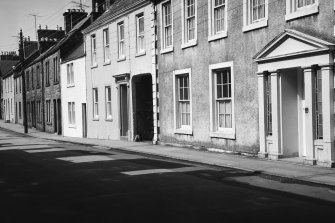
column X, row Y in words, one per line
column 288, row 170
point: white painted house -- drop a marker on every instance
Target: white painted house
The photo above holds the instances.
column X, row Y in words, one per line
column 8, row 97
column 73, row 90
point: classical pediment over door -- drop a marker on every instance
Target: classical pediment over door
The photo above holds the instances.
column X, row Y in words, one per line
column 292, row 43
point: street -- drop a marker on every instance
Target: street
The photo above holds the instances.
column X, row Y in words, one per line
column 48, row 181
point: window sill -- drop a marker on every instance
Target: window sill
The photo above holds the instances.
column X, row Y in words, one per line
column 221, row 35
column 94, row 66
column 121, row 59
column 140, row 54
column 95, row 119
column 189, row 44
column 72, row 126
column 224, row 135
column 257, row 25
column 107, row 62
column 108, row 119
column 184, row 131
column 302, row 12
column 56, row 82
column 167, row 50
column 70, row 85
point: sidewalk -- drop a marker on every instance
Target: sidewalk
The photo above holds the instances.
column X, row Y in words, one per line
column 284, row 169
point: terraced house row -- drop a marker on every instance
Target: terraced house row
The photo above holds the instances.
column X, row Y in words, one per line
column 253, row 76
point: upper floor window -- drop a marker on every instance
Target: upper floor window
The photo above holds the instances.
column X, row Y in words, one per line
column 93, row 50
column 106, row 45
column 38, row 77
column 47, row 73
column 166, row 27
column 55, row 64
column 71, row 113
column 255, row 14
column 217, row 24
column 121, row 43
column 300, row 8
column 189, row 26
column 70, row 74
column 27, row 79
column 140, row 33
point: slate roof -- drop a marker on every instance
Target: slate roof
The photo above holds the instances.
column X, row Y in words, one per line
column 75, row 53
column 116, row 9
column 6, row 66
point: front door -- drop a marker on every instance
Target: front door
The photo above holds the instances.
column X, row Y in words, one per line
column 55, row 115
column 84, row 120
column 59, row 117
column 123, row 110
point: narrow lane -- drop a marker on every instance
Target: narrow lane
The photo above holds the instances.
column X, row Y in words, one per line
column 47, row 181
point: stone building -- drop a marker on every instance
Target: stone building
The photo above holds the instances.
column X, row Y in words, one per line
column 121, row 72
column 248, row 76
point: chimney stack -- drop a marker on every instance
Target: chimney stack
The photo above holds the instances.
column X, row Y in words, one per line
column 72, row 17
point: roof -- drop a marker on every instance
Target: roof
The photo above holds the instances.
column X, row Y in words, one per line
column 66, row 38
column 118, row 8
column 6, row 66
column 18, row 67
column 76, row 53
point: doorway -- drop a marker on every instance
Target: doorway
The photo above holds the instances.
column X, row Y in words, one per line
column 143, row 107
column 59, row 117
column 124, row 126
column 55, row 115
column 292, row 113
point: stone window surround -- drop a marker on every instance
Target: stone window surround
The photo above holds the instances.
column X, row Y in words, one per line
column 304, row 11
column 222, row 34
column 247, row 24
column 182, row 130
column 228, row 133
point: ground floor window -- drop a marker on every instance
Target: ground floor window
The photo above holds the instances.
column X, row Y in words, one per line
column 222, row 100
column 95, row 103
column 20, row 111
column 108, row 102
column 183, row 102
column 39, row 112
column 48, row 111
column 71, row 113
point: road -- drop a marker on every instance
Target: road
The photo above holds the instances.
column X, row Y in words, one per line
column 47, row 181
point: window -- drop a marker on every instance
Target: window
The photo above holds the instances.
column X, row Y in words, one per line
column 189, row 23
column 108, row 102
column 11, row 106
column 70, row 75
column 300, row 8
column 268, row 105
column 166, row 27
column 95, row 103
column 222, row 100
column 38, row 79
column 20, row 111
column 255, row 14
column 217, row 19
column 39, row 112
column 106, row 46
column 47, row 73
column 48, row 111
column 318, row 105
column 27, row 79
column 93, row 50
column 16, row 85
column 32, row 78
column 140, row 33
column 182, row 96
column 121, row 43
column 55, row 63
column 71, row 113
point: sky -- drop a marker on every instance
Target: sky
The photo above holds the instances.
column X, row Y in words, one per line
column 14, row 15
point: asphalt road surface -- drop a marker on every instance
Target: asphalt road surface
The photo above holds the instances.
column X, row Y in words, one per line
column 47, row 181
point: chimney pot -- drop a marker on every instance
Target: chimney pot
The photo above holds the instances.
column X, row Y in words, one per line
column 39, row 26
column 46, row 27
column 60, row 28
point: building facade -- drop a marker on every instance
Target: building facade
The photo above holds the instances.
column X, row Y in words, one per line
column 213, row 90
column 73, row 90
column 8, row 97
column 121, row 72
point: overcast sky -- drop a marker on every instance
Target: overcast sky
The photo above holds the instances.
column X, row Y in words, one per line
column 14, row 14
